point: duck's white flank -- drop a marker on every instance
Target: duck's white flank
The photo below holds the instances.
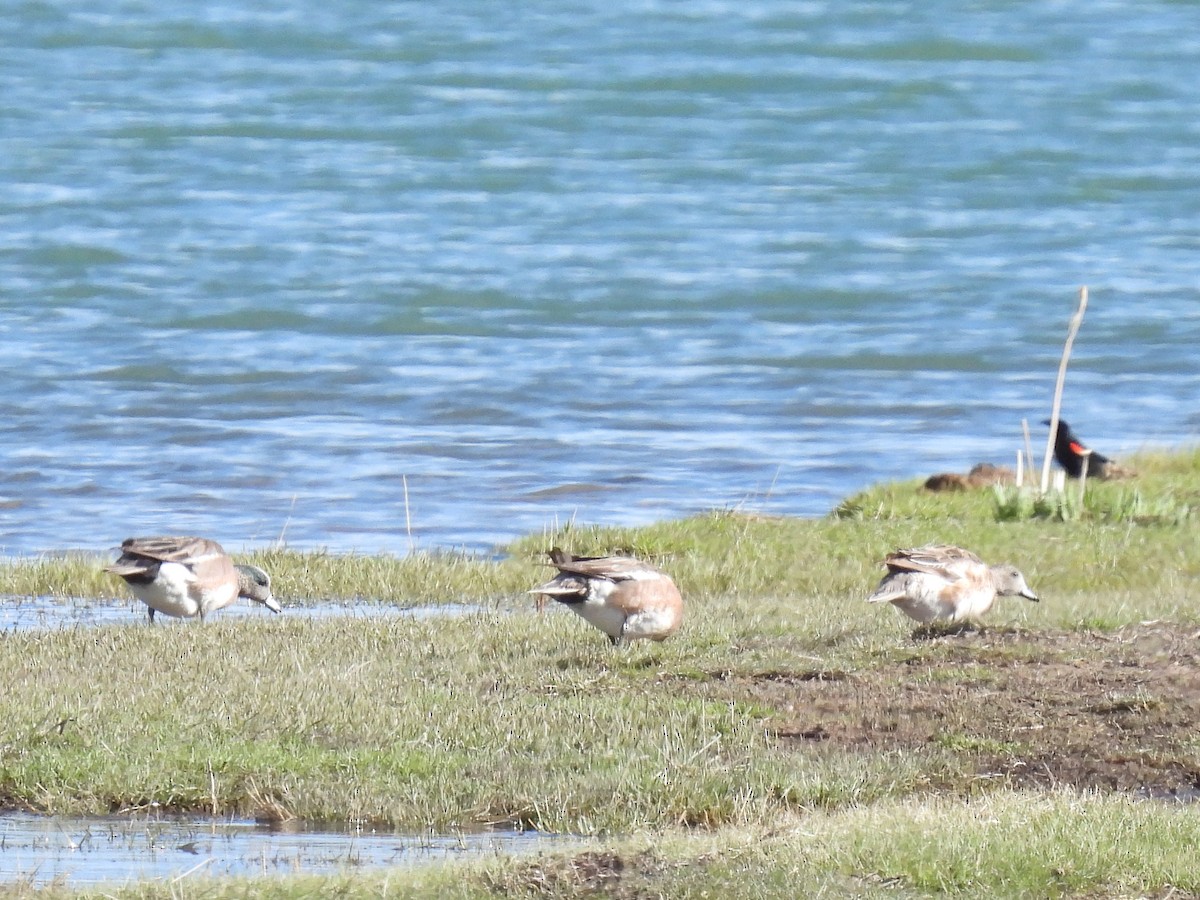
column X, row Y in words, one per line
column 625, row 598
column 186, row 577
column 944, row 583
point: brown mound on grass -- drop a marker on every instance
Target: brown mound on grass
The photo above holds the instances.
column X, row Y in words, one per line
column 946, row 481
column 1114, row 711
column 981, row 475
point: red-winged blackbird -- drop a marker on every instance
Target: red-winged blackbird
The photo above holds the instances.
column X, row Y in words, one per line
column 1073, row 455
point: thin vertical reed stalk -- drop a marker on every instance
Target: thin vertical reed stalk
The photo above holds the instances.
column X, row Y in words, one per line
column 1083, row 474
column 1028, row 447
column 1072, row 330
column 282, row 540
column 212, row 789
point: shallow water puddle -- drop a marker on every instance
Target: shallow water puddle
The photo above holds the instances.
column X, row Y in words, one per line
column 38, row 850
column 27, row 613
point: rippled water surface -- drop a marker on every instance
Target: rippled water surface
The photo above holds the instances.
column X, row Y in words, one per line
column 39, row 850
column 49, row 613
column 269, row 269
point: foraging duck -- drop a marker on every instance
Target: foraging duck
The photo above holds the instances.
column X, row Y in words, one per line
column 188, row 576
column 946, row 583
column 1074, row 456
column 625, row 598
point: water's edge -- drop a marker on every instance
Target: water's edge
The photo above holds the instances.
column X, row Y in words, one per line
column 39, row 850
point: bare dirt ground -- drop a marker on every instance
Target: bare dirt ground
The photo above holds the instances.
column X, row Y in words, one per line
column 1116, row 711
column 1112, row 712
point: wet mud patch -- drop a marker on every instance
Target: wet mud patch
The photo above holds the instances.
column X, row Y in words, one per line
column 1113, row 711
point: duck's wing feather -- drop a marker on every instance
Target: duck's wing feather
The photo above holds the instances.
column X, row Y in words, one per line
column 185, row 550
column 943, row 560
column 612, row 568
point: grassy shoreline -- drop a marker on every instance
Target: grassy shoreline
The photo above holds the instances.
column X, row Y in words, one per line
column 785, row 708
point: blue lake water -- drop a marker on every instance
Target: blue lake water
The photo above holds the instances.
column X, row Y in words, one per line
column 266, row 268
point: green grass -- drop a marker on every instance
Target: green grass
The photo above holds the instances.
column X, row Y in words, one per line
column 1166, row 492
column 1003, row 845
column 302, row 577
column 503, row 715
column 1137, row 537
column 438, row 723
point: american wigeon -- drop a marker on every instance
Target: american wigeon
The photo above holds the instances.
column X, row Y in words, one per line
column 1074, row 456
column 625, row 598
column 188, row 576
column 946, row 584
